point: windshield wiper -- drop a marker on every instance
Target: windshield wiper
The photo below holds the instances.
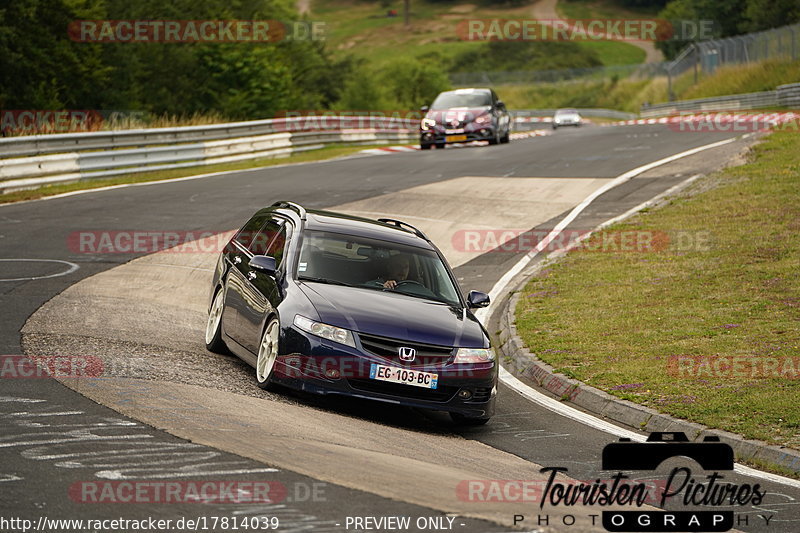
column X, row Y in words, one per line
column 324, row 280
column 420, row 296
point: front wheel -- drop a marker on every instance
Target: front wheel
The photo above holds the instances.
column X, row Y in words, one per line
column 425, row 146
column 506, row 138
column 214, row 342
column 268, row 353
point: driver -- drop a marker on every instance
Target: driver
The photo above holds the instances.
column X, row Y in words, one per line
column 396, row 271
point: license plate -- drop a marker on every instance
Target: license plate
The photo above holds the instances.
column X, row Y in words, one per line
column 393, row 374
column 455, row 138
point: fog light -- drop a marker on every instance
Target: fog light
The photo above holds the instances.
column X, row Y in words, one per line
column 485, row 133
column 332, row 373
column 465, row 394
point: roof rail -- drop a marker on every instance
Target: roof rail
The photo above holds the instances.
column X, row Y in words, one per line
column 403, row 225
column 291, row 205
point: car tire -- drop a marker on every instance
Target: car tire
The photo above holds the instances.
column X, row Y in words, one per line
column 214, row 342
column 505, row 139
column 461, row 420
column 425, row 146
column 440, row 146
column 268, row 353
column 555, row 127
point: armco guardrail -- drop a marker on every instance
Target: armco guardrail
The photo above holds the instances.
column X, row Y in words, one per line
column 28, row 162
column 783, row 96
column 521, row 115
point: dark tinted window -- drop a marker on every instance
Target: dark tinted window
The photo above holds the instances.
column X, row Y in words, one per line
column 278, row 246
column 462, row 98
column 262, row 240
column 368, row 263
column 250, row 229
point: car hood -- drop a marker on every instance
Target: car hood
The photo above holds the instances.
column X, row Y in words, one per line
column 461, row 114
column 393, row 315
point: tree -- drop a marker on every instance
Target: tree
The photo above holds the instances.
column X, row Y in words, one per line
column 765, row 14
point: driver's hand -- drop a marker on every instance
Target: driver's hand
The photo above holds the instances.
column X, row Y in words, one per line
column 391, row 284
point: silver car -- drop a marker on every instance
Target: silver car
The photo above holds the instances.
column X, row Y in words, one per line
column 566, row 117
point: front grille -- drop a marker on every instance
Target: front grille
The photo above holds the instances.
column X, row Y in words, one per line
column 442, row 394
column 426, row 354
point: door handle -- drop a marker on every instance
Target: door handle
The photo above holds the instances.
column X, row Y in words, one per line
column 237, row 259
column 251, row 275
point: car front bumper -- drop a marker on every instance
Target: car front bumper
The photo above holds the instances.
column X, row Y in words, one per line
column 458, row 136
column 322, row 367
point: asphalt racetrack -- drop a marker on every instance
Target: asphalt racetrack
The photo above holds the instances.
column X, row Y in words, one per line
column 167, row 410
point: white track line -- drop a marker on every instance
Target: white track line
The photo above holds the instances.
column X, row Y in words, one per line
column 556, row 406
column 72, row 267
column 503, row 282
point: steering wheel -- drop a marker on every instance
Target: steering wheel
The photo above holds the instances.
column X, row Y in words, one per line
column 415, row 282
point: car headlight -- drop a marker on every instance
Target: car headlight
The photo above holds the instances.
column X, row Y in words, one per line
column 483, row 119
column 474, row 355
column 326, row 331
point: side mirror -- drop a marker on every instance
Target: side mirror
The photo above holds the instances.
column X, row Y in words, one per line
column 477, row 299
column 263, row 263
column 424, row 109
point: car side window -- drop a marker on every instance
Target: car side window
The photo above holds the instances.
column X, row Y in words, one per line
column 248, row 232
column 278, row 245
column 262, row 239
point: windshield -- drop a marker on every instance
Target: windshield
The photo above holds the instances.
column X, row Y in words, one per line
column 374, row 264
column 453, row 99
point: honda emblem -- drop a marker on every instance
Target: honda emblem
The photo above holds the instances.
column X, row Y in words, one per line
column 407, row 354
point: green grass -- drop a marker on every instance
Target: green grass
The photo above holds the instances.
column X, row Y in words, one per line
column 623, row 95
column 617, row 320
column 590, row 9
column 303, row 157
column 629, row 94
column 362, row 30
column 615, row 52
column 738, row 79
column 610, row 52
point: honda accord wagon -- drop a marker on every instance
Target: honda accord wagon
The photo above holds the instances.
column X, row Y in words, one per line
column 329, row 303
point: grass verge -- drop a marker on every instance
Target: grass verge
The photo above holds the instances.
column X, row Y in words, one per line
column 302, row 157
column 594, row 9
column 363, row 30
column 705, row 328
column 629, row 94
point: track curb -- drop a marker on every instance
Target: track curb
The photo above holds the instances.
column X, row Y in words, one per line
column 522, row 363
column 525, row 364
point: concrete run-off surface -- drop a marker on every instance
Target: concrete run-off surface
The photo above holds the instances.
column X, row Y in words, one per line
column 145, row 320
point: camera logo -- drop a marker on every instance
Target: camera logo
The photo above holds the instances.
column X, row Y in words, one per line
column 710, row 454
